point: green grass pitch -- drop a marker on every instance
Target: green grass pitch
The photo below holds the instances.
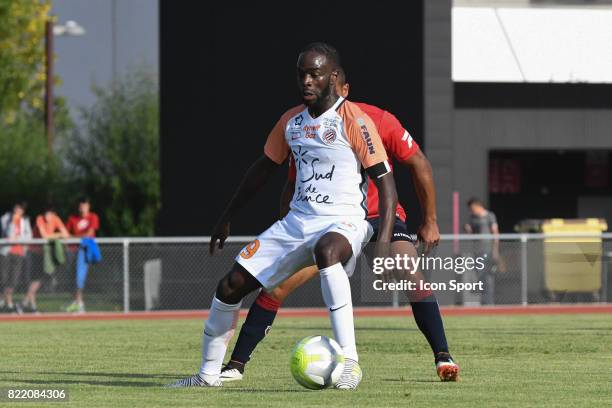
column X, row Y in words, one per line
column 509, row 361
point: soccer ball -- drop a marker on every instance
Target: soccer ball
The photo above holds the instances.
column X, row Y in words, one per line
column 317, row 362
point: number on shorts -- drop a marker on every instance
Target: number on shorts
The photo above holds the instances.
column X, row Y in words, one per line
column 250, row 249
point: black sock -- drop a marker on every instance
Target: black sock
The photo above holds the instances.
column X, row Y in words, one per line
column 255, row 327
column 427, row 315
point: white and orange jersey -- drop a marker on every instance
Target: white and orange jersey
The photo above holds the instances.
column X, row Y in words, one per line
column 332, row 153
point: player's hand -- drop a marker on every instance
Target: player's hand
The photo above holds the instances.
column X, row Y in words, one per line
column 220, row 233
column 429, row 235
column 381, row 251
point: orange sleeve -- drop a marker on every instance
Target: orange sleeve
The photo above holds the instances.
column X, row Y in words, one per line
column 363, row 136
column 41, row 225
column 59, row 224
column 276, row 147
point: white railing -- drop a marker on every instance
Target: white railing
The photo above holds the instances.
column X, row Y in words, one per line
column 522, row 238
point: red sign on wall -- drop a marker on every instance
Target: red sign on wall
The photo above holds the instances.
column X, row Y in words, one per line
column 504, row 176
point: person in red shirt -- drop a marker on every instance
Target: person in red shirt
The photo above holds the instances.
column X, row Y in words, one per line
column 83, row 225
column 48, row 226
column 400, row 146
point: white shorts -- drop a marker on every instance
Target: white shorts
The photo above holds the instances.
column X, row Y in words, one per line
column 288, row 245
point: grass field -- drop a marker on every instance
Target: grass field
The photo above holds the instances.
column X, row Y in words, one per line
column 515, row 361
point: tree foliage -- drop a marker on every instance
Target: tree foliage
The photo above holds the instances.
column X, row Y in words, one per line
column 114, row 156
column 22, row 56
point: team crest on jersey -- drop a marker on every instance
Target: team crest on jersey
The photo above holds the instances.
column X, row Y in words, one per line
column 298, row 121
column 329, row 137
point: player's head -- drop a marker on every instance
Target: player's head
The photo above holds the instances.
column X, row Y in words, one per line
column 476, row 206
column 342, row 86
column 19, row 209
column 48, row 210
column 317, row 72
column 84, row 205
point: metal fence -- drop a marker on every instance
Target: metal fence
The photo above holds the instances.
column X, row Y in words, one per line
column 178, row 273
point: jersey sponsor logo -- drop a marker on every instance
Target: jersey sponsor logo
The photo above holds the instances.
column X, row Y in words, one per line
column 407, row 138
column 329, row 137
column 299, row 156
column 330, row 123
column 401, row 235
column 366, row 135
column 311, row 131
column 295, row 135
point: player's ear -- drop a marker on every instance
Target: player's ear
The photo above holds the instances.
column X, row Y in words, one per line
column 334, row 76
column 345, row 90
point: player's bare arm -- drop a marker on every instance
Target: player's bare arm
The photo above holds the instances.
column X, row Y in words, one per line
column 422, row 177
column 387, row 198
column 256, row 177
column 495, row 231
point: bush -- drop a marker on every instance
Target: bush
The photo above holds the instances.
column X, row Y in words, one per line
column 113, row 156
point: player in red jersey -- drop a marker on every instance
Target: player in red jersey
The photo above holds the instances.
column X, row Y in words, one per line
column 400, row 146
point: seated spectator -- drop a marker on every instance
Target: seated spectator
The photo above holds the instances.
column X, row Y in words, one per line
column 15, row 226
column 48, row 226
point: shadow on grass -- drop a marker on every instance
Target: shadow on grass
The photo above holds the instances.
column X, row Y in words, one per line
column 365, row 329
column 105, row 383
column 115, row 375
column 148, row 385
column 264, row 390
column 81, row 382
column 98, row 374
column 409, row 380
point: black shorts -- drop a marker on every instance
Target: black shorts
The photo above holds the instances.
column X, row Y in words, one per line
column 11, row 266
column 400, row 231
column 37, row 269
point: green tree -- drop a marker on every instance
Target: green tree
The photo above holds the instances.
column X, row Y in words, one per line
column 114, row 156
column 22, row 56
column 27, row 171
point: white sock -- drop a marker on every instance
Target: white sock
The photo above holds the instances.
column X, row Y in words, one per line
column 218, row 331
column 336, row 291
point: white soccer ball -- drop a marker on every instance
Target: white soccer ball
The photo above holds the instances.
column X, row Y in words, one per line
column 317, row 362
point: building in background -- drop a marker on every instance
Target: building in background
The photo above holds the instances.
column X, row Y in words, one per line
column 517, row 106
column 119, row 34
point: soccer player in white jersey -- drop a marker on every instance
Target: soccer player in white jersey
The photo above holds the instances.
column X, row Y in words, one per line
column 335, row 146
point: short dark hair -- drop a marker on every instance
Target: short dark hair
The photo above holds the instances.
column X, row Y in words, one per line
column 48, row 207
column 21, row 204
column 474, row 200
column 330, row 52
column 84, row 199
